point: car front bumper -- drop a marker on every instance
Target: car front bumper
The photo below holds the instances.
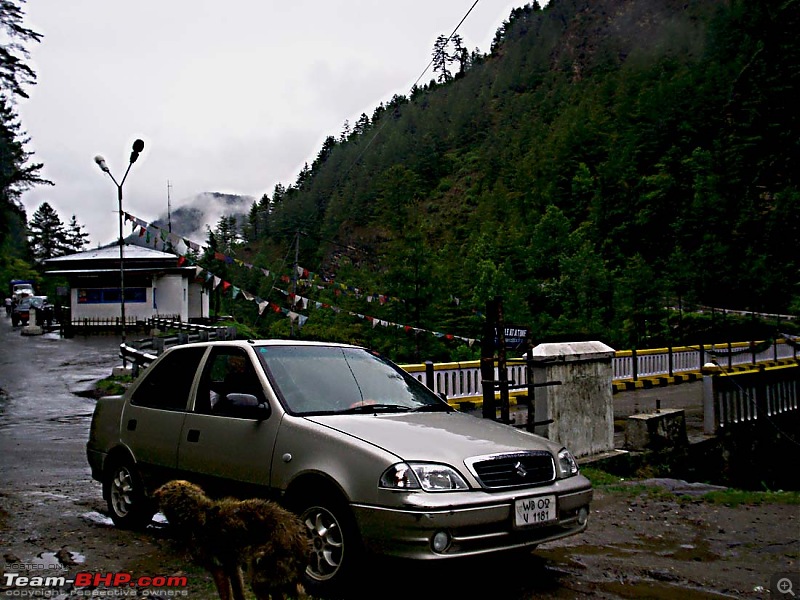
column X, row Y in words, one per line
column 472, row 527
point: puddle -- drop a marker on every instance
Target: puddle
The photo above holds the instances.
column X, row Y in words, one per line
column 698, row 551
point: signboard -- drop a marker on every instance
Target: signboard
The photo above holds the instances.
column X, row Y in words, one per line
column 516, row 337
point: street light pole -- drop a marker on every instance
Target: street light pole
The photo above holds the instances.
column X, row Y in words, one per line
column 138, row 146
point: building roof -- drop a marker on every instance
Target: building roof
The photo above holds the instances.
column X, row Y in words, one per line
column 131, row 251
column 99, row 260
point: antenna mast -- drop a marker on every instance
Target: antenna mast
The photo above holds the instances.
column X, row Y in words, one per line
column 169, row 208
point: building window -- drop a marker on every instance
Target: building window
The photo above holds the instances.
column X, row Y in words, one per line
column 110, row 295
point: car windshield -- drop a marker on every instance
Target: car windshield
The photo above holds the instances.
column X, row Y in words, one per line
column 337, row 380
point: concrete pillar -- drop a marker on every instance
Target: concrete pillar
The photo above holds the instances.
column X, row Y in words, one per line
column 581, row 407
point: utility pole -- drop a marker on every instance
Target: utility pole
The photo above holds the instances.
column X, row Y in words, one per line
column 293, row 296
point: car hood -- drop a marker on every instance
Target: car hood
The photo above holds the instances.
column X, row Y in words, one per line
column 442, row 437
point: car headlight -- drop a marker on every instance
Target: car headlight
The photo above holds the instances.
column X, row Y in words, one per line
column 430, row 477
column 567, row 465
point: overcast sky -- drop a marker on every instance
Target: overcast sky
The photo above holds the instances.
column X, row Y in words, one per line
column 229, row 96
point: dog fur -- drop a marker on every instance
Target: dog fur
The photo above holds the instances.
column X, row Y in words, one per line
column 223, row 536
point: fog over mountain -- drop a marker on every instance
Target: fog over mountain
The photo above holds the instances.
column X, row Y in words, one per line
column 190, row 217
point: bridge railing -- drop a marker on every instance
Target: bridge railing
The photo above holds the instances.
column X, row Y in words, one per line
column 142, row 352
column 755, row 396
column 462, row 380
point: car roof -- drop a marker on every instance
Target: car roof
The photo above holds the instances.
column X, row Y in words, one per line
column 269, row 342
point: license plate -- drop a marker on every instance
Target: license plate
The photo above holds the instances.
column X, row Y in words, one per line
column 535, row 510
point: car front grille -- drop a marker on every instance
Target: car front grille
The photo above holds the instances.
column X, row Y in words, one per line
column 518, row 469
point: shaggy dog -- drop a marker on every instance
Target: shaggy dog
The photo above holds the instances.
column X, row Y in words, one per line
column 225, row 535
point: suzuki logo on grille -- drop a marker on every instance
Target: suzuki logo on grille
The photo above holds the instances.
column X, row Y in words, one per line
column 520, row 470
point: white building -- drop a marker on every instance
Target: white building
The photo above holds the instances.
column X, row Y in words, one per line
column 155, row 284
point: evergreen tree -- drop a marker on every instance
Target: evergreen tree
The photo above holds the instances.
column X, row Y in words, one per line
column 346, row 131
column 441, row 59
column 460, row 54
column 253, row 223
column 75, row 236
column 362, row 124
column 14, row 73
column 46, row 233
column 16, row 173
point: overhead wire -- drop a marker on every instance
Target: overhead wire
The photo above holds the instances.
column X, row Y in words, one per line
column 411, row 89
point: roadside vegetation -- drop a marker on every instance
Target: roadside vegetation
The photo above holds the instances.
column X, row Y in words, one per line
column 637, row 487
column 112, row 385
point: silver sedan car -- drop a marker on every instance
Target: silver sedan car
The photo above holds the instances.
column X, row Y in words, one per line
column 371, row 459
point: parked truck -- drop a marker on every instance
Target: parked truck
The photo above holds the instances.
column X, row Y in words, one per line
column 18, row 304
column 21, row 288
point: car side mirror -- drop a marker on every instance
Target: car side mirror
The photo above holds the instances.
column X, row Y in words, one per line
column 249, row 406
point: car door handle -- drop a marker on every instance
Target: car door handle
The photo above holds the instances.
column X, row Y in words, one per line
column 193, row 436
column 132, row 425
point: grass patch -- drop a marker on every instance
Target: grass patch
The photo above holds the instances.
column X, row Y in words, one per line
column 600, row 478
column 113, row 385
column 606, row 482
column 734, row 498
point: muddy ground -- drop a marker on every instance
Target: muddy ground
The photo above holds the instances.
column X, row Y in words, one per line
column 641, row 542
column 635, row 547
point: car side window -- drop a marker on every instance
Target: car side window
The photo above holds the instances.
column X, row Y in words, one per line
column 167, row 384
column 227, row 371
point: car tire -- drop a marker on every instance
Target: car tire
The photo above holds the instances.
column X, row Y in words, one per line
column 123, row 490
column 336, row 546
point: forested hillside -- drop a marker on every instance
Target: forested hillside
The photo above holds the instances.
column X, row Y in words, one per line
column 605, row 160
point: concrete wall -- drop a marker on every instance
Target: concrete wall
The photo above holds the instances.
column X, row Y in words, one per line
column 171, row 296
column 133, row 310
column 581, row 407
column 174, row 295
column 198, row 302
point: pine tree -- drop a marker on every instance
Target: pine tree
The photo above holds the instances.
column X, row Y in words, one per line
column 76, row 237
column 14, row 73
column 362, row 124
column 253, row 223
column 460, row 54
column 46, row 233
column 16, row 175
column 441, row 59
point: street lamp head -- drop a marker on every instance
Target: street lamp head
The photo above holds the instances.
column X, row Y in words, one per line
column 138, row 146
column 101, row 162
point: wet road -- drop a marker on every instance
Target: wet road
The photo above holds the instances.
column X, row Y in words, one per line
column 42, row 415
column 51, row 511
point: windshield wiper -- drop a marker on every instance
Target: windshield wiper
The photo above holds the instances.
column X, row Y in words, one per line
column 372, row 408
